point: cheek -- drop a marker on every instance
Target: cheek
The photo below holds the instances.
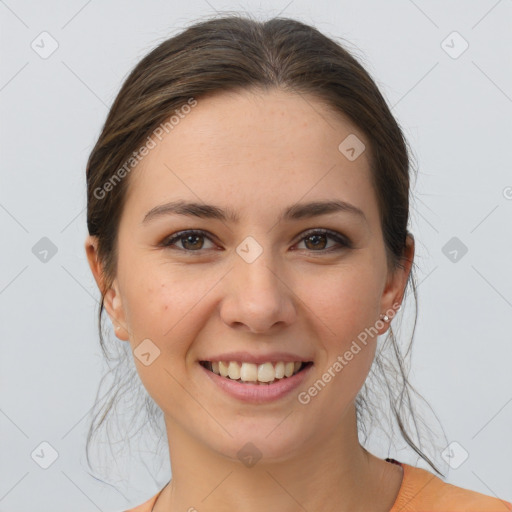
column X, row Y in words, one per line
column 154, row 297
column 164, row 306
column 161, row 309
column 346, row 301
column 346, row 307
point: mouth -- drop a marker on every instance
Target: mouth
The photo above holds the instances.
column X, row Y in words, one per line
column 263, row 374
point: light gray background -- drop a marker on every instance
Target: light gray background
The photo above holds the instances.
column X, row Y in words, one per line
column 456, row 113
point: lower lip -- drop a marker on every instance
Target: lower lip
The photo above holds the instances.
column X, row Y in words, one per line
column 258, row 393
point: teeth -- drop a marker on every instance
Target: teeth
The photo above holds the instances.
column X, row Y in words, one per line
column 233, row 371
column 249, row 372
column 223, row 369
column 279, row 370
column 266, row 372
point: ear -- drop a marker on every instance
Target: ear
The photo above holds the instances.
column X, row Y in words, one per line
column 112, row 300
column 393, row 293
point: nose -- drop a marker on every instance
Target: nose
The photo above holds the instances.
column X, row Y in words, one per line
column 258, row 295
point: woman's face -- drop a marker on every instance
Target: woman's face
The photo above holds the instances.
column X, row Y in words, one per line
column 263, row 287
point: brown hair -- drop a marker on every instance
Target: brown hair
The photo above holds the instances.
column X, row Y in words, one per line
column 237, row 52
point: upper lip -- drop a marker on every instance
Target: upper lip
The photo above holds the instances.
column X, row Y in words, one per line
column 273, row 357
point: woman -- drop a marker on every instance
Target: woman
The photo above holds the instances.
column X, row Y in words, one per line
column 247, row 216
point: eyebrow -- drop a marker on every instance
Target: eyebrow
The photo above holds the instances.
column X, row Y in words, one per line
column 208, row 211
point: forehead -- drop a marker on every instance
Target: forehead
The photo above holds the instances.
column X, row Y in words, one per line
column 254, row 147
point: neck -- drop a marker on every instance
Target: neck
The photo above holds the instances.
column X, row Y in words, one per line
column 334, row 474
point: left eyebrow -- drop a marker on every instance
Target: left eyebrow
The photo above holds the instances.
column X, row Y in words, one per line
column 209, row 211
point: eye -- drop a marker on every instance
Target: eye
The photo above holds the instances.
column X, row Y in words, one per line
column 315, row 239
column 190, row 240
column 193, row 240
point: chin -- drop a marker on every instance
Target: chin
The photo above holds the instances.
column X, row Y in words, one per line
column 256, row 444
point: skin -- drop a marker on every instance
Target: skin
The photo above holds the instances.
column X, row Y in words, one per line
column 257, row 153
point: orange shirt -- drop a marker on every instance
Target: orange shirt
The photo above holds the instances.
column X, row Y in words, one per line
column 421, row 491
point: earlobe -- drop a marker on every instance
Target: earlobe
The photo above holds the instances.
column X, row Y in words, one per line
column 114, row 306
column 395, row 287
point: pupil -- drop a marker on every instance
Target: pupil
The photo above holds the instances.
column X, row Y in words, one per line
column 315, row 237
column 191, row 237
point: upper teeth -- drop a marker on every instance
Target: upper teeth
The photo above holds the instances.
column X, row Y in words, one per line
column 250, row 372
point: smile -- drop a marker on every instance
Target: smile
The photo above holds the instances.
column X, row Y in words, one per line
column 251, row 373
column 241, row 380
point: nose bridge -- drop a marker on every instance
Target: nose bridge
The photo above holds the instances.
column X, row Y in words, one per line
column 256, row 268
column 259, row 296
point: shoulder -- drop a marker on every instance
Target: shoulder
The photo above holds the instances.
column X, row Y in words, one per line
column 147, row 506
column 422, row 491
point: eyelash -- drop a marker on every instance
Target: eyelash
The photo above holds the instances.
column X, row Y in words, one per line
column 344, row 243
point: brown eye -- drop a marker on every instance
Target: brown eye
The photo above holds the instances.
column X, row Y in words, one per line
column 191, row 241
column 316, row 241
